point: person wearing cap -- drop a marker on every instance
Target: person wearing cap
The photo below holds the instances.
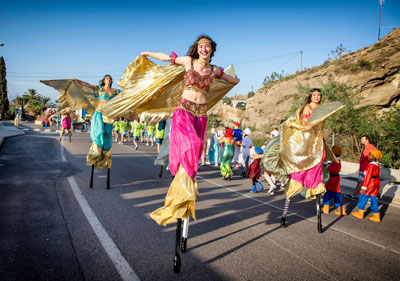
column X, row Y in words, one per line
column 370, row 187
column 227, row 154
column 213, row 151
column 255, row 169
column 237, row 136
column 333, row 185
column 247, row 143
column 363, row 166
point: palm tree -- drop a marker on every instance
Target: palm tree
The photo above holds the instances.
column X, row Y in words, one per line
column 29, row 95
column 44, row 100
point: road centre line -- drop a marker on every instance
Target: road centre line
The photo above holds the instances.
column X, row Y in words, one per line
column 124, row 269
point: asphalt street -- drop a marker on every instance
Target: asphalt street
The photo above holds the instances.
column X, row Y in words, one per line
column 48, row 232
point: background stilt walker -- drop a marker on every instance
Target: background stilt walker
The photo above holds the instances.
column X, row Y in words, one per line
column 77, row 94
column 298, row 153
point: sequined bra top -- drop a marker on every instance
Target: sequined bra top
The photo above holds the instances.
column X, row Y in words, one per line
column 104, row 96
column 195, row 81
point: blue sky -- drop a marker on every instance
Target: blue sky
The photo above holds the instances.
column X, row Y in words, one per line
column 87, row 39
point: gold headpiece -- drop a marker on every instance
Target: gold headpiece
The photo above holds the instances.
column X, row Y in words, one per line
column 204, row 40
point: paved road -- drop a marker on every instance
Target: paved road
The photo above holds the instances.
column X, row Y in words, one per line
column 46, row 235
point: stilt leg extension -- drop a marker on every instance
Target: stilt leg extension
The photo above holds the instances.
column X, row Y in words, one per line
column 285, row 211
column 91, row 177
column 318, row 205
column 185, row 234
column 108, row 178
column 177, row 258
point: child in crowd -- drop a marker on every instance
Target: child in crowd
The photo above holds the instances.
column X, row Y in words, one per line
column 333, row 185
column 150, row 134
column 255, row 169
column 370, row 187
column 160, row 129
column 136, row 133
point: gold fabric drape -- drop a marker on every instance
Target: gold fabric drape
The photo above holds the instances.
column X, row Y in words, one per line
column 154, row 91
column 74, row 95
column 298, row 150
column 180, row 200
column 98, row 157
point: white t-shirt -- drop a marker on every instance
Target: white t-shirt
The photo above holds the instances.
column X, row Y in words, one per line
column 246, row 144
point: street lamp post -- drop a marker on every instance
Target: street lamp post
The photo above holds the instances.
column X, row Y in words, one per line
column 380, row 16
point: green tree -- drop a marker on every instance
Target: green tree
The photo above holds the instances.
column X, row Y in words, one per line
column 250, row 94
column 275, row 76
column 4, row 103
column 29, row 95
column 227, row 100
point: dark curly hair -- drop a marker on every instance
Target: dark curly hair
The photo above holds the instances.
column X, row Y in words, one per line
column 192, row 52
column 308, row 100
column 101, row 82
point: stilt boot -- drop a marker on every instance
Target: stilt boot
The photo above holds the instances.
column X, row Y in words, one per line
column 253, row 189
column 260, row 187
column 340, row 211
column 376, row 217
column 325, row 209
column 358, row 214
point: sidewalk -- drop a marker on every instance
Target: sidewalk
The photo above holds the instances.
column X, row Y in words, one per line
column 7, row 129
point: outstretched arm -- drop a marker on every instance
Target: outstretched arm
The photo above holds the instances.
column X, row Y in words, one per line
column 185, row 61
column 84, row 83
column 220, row 74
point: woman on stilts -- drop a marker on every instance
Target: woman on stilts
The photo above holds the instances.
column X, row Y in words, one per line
column 99, row 155
column 299, row 152
column 188, row 131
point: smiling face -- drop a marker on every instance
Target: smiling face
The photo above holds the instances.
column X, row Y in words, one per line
column 316, row 97
column 204, row 49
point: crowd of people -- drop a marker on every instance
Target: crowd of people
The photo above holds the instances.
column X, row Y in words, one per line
column 293, row 157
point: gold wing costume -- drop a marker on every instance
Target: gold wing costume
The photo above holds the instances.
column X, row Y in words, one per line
column 296, row 149
column 154, row 90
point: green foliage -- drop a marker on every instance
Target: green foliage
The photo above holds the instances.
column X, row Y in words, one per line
column 349, row 124
column 227, row 100
column 213, row 122
column 250, row 94
column 260, row 141
column 4, row 103
column 273, row 77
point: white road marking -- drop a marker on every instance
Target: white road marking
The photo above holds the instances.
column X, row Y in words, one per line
column 120, row 263
column 62, row 151
column 47, row 130
column 36, row 130
column 300, row 216
column 57, row 131
column 25, row 129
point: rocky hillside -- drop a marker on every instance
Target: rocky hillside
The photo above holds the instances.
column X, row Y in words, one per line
column 373, row 72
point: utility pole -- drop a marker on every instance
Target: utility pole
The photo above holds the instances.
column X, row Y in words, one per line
column 380, row 16
column 301, row 60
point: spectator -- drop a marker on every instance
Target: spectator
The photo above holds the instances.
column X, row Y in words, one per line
column 246, row 145
column 333, row 185
column 363, row 166
column 255, row 170
column 237, row 137
column 370, row 187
